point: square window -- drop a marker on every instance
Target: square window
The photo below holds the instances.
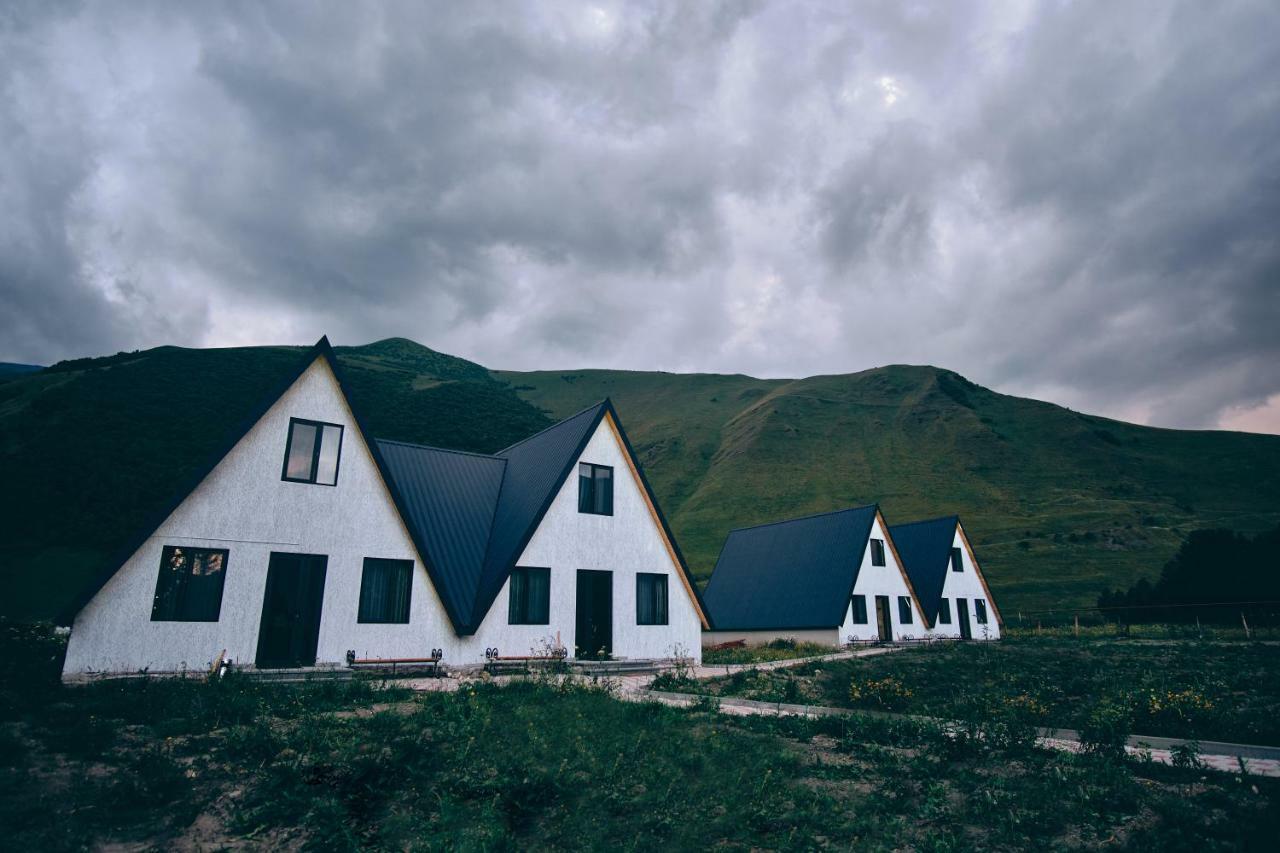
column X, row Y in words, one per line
column 980, row 611
column 384, row 591
column 859, row 610
column 944, row 611
column 904, row 609
column 651, row 599
column 957, row 560
column 530, row 602
column 189, row 588
column 595, row 489
column 312, row 452
column 877, row 552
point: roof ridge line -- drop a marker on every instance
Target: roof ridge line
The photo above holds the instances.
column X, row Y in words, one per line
column 594, row 405
column 926, row 521
column 805, row 517
column 439, row 449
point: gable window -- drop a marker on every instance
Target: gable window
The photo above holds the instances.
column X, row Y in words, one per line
column 957, row 560
column 189, row 588
column 651, row 599
column 904, row 609
column 384, row 591
column 944, row 611
column 877, row 552
column 530, row 596
column 980, row 611
column 311, row 454
column 859, row 610
column 595, row 489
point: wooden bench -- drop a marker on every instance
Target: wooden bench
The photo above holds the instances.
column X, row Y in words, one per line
column 394, row 665
column 494, row 662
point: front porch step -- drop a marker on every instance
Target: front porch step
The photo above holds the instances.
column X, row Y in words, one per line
column 614, row 667
column 299, row 675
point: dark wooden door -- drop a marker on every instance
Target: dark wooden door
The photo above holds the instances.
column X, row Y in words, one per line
column 883, row 622
column 962, row 614
column 593, row 638
column 290, row 625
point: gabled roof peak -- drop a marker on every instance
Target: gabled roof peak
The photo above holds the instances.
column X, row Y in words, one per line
column 816, row 515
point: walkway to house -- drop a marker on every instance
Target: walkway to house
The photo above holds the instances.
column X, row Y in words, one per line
column 1228, row 757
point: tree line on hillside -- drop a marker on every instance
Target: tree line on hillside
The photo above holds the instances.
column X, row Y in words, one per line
column 1215, row 577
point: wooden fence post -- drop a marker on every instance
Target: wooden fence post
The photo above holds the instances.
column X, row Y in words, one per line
column 1247, row 635
column 1077, row 626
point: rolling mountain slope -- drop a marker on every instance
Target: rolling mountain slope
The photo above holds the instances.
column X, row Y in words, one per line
column 1060, row 504
column 91, row 448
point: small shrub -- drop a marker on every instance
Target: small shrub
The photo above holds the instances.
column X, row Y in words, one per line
column 1106, row 730
column 1179, row 710
column 1187, row 755
column 887, row 693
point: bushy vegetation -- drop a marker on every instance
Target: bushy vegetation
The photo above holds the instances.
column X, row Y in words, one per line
column 561, row 764
column 780, row 649
column 1211, row 566
column 1210, row 691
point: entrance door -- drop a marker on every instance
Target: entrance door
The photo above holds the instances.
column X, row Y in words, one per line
column 593, row 638
column 290, row 625
column 882, row 619
column 962, row 613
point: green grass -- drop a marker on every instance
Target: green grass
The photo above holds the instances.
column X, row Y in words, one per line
column 546, row 765
column 775, row 650
column 1060, row 505
column 1208, row 691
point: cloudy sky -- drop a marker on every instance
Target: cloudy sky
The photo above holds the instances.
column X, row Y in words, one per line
column 1073, row 201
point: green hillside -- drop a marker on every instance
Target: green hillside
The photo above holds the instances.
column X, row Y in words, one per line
column 1060, row 504
column 91, row 449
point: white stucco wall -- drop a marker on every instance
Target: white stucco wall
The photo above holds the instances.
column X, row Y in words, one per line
column 966, row 585
column 881, row 580
column 244, row 507
column 625, row 543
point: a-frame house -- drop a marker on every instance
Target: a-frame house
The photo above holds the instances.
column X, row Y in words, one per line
column 304, row 538
column 944, row 571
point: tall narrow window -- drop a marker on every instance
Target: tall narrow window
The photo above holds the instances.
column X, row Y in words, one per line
column 312, row 452
column 957, row 560
column 980, row 611
column 595, row 489
column 530, row 602
column 384, row 591
column 651, row 599
column 904, row 609
column 877, row 552
column 944, row 611
column 189, row 588
column 859, row 610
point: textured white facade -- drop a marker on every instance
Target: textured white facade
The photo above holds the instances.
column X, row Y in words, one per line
column 244, row 506
column 967, row 585
column 887, row 580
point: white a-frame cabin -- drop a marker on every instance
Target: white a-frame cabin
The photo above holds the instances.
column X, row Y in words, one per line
column 304, row 540
column 954, row 596
column 834, row 578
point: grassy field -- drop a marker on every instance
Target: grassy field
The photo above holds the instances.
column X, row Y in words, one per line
column 539, row 765
column 1227, row 691
column 1059, row 505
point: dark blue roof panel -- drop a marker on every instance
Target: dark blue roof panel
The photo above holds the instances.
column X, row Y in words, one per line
column 925, row 549
column 795, row 574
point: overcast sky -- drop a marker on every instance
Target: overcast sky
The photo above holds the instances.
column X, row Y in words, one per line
column 1074, row 201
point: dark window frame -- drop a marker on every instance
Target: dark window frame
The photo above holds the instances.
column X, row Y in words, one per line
column 315, row 452
column 520, row 612
column 172, row 612
column 980, row 611
column 662, row 614
column 859, row 604
column 904, row 610
column 877, row 552
column 957, row 560
column 364, row 618
column 944, row 611
column 588, row 498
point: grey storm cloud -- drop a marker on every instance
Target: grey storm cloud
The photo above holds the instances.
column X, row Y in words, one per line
column 1076, row 201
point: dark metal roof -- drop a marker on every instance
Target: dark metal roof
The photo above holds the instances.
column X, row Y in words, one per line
column 925, row 549
column 795, row 574
column 448, row 498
